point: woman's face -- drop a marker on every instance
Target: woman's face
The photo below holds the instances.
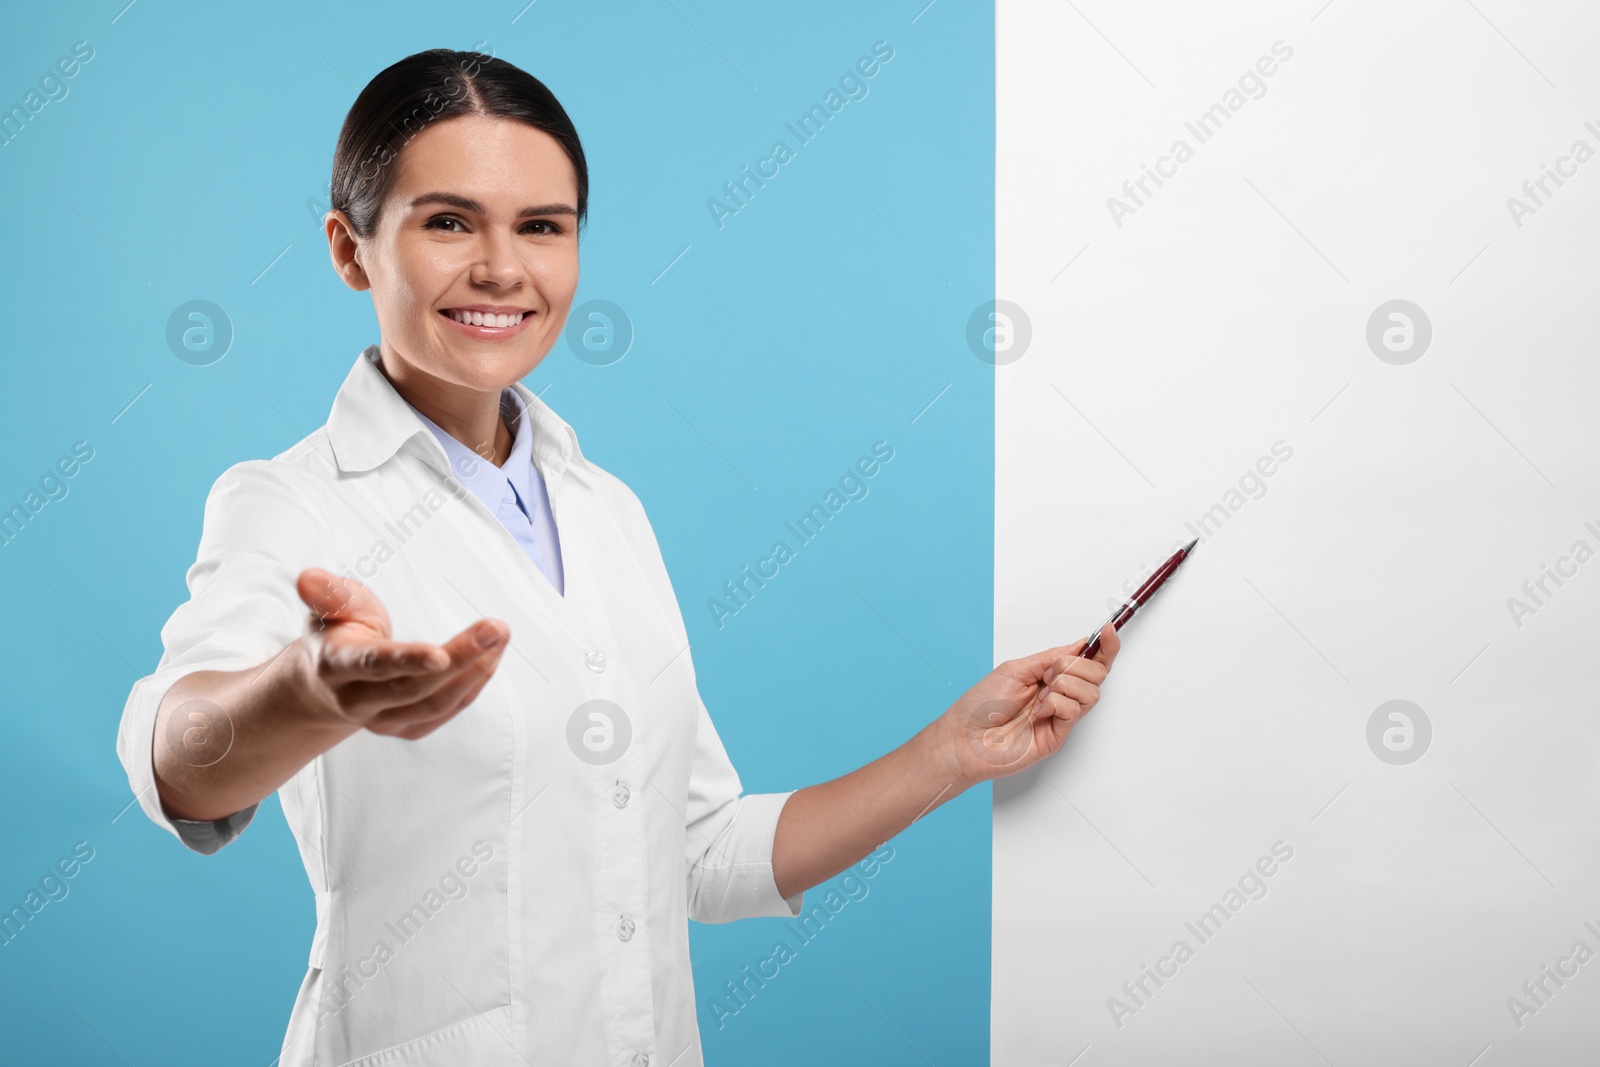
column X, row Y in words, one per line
column 482, row 219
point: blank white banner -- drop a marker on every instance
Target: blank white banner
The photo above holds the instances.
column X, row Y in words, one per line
column 1316, row 284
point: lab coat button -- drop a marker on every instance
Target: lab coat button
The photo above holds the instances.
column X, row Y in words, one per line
column 641, row 1059
column 620, row 795
column 625, row 928
column 595, row 661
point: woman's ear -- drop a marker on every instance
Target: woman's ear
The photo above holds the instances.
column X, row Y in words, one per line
column 344, row 248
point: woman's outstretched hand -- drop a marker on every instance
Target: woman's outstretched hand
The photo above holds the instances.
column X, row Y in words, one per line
column 1023, row 710
column 358, row 673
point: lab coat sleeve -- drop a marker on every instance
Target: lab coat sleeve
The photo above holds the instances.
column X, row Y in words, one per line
column 242, row 610
column 730, row 839
column 730, row 833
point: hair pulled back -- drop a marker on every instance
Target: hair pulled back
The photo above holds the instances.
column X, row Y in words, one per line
column 440, row 83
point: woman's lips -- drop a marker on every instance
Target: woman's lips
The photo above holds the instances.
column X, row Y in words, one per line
column 488, row 333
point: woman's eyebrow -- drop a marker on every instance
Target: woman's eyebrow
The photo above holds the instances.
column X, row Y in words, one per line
column 466, row 203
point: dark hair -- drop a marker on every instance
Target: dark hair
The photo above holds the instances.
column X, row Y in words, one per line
column 440, row 83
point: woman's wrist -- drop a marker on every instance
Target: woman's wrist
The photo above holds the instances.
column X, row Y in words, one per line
column 933, row 751
column 266, row 722
column 943, row 743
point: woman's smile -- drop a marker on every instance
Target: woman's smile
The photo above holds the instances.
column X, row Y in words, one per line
column 488, row 322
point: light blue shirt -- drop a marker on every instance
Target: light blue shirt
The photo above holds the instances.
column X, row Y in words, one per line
column 515, row 493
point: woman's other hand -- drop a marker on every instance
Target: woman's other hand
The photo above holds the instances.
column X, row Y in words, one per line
column 357, row 672
column 1023, row 710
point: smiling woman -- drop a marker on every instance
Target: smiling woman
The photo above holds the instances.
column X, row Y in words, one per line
column 584, row 772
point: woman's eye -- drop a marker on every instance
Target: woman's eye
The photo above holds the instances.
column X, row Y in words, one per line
column 441, row 222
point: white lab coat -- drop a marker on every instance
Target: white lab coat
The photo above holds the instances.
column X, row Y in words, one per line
column 493, row 893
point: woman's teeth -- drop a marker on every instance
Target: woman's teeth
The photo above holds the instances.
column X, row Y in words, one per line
column 478, row 318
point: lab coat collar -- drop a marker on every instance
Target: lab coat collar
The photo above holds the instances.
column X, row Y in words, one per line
column 370, row 422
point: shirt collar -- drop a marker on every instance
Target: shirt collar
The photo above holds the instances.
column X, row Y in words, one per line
column 486, row 481
column 370, row 422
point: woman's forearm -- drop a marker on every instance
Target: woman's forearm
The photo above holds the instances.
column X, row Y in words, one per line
column 825, row 828
column 226, row 739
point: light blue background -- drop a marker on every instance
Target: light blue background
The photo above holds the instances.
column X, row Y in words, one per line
column 824, row 317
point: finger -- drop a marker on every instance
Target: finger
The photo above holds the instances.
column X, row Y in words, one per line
column 361, row 696
column 426, row 724
column 1107, row 636
column 442, row 704
column 363, row 699
column 1080, row 691
column 337, row 598
column 1091, row 669
column 1055, row 705
column 1040, row 667
column 353, row 655
column 485, row 635
column 1068, row 653
column 1110, row 645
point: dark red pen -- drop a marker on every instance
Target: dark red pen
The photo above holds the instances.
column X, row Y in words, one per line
column 1126, row 609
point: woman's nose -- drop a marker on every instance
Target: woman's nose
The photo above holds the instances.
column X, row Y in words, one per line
column 499, row 261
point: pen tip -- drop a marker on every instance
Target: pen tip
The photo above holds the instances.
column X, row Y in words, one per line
column 1190, row 546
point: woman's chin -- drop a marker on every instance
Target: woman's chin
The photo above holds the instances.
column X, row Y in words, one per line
column 483, row 366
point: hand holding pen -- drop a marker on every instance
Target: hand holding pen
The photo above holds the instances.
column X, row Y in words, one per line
column 1023, row 710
